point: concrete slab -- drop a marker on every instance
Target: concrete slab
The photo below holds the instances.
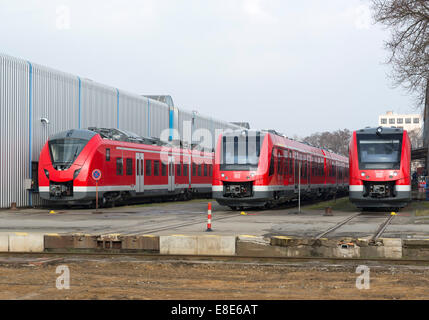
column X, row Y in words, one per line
column 178, row 244
column 4, row 242
column 216, row 245
column 26, row 242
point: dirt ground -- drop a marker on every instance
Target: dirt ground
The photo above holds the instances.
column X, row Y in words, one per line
column 108, row 278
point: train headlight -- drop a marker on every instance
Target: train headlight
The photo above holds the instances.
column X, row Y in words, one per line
column 395, row 174
column 76, row 173
column 362, row 174
column 223, row 175
column 252, row 174
column 46, row 173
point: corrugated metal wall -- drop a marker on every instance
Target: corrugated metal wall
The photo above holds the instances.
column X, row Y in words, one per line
column 30, row 91
column 99, row 105
column 133, row 113
column 14, row 130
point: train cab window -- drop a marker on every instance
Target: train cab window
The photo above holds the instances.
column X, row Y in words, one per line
column 271, row 171
column 119, row 166
column 163, row 169
column 205, row 170
column 148, row 168
column 156, row 168
column 178, row 170
column 129, row 167
column 185, row 169
column 107, row 154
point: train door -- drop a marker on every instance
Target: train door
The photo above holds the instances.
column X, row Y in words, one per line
column 308, row 170
column 296, row 171
column 139, row 172
column 171, row 174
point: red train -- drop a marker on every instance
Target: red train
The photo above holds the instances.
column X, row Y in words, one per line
column 263, row 168
column 380, row 168
column 130, row 167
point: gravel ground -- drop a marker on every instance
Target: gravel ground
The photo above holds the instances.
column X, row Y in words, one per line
column 113, row 278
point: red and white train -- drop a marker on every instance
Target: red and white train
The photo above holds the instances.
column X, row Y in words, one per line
column 130, row 167
column 263, row 168
column 380, row 168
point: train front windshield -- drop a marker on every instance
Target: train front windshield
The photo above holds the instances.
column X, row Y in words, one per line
column 65, row 151
column 241, row 152
column 379, row 152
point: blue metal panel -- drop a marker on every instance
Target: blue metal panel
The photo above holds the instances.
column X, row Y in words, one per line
column 30, row 125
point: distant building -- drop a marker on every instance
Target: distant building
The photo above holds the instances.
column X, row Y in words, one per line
column 407, row 122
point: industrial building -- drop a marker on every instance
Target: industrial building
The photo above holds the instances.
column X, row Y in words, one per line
column 37, row 101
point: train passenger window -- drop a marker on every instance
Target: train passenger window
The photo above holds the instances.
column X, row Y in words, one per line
column 199, row 170
column 141, row 167
column 205, row 169
column 148, row 168
column 210, row 170
column 156, row 168
column 178, row 170
column 138, row 167
column 107, row 154
column 129, row 167
column 279, row 165
column 185, row 169
column 194, row 169
column 163, row 169
column 290, row 163
column 119, row 166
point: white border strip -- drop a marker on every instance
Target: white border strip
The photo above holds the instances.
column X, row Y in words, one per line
column 356, row 188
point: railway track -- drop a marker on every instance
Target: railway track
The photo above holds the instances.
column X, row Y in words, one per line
column 56, row 257
column 199, row 220
column 377, row 234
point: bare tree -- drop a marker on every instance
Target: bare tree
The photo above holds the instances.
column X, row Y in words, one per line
column 408, row 21
column 337, row 141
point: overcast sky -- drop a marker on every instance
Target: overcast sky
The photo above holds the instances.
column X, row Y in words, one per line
column 295, row 66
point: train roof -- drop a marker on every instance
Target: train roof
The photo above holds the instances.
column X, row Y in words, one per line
column 382, row 130
column 281, row 140
column 74, row 134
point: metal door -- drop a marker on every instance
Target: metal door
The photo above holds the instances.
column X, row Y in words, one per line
column 139, row 172
column 171, row 174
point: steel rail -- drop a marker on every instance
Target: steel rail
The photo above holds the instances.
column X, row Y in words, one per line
column 152, row 257
column 381, row 228
column 338, row 225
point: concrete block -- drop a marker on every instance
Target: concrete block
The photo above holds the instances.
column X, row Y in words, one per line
column 197, row 245
column 146, row 242
column 77, row 241
column 26, row 242
column 4, row 242
column 178, row 244
column 216, row 245
column 392, row 248
column 415, row 249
